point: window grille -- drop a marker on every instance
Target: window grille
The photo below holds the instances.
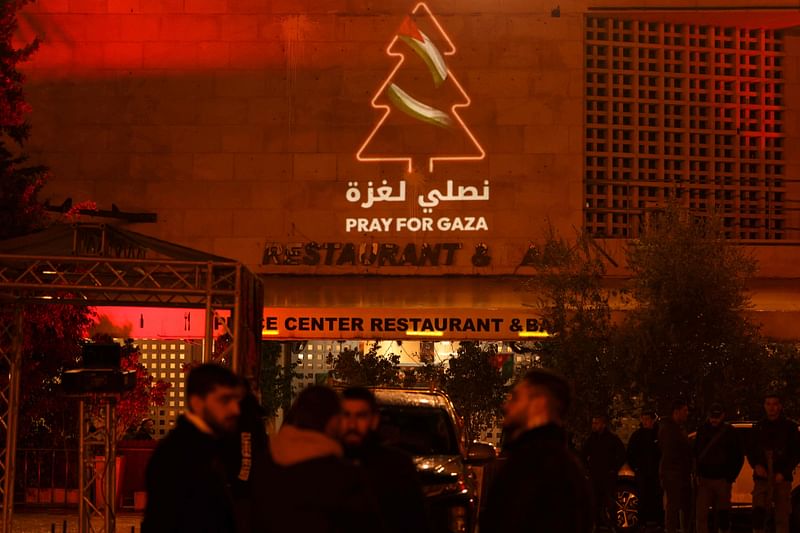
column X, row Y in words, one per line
column 685, row 112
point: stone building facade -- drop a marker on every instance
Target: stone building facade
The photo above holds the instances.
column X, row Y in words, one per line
column 422, row 147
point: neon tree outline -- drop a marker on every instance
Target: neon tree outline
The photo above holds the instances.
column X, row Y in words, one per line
column 388, row 110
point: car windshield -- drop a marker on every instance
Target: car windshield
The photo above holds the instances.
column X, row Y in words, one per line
column 418, row 430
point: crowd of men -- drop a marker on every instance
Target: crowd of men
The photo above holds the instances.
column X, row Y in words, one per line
column 325, row 470
column 686, row 484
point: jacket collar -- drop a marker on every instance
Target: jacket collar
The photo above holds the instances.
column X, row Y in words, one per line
column 293, row 445
column 199, row 423
column 550, row 434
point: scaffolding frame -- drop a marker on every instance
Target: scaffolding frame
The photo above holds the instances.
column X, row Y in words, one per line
column 97, row 431
column 110, row 266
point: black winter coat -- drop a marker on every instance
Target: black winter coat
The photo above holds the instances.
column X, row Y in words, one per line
column 676, row 451
column 244, row 453
column 248, row 444
column 780, row 436
column 604, row 454
column 186, row 487
column 721, row 458
column 541, row 488
column 394, row 479
column 307, row 486
column 643, row 453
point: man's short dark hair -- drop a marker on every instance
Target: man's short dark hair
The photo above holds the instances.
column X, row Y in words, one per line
column 649, row 412
column 314, row 408
column 557, row 388
column 773, row 394
column 363, row 394
column 679, row 404
column 203, row 379
column 600, row 416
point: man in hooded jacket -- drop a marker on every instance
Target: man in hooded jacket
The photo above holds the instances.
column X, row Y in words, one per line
column 306, row 484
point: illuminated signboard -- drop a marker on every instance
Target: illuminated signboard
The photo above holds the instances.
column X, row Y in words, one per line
column 386, row 323
column 420, row 126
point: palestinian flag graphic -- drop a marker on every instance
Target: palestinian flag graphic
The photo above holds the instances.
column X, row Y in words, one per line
column 421, row 99
column 425, row 48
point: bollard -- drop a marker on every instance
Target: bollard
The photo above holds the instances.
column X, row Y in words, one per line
column 53, row 527
column 133, row 529
column 64, row 527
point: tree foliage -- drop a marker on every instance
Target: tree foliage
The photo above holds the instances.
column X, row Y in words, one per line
column 429, row 374
column 783, row 365
column 365, row 369
column 275, row 380
column 52, row 337
column 20, row 182
column 687, row 332
column 476, row 386
column 575, row 308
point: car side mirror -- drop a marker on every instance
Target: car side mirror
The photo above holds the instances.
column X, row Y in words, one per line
column 479, row 453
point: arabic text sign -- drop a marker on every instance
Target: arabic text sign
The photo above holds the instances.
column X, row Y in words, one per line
column 309, row 323
column 373, row 196
column 385, row 193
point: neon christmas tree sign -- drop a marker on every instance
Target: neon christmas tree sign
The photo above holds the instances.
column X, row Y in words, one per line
column 421, row 125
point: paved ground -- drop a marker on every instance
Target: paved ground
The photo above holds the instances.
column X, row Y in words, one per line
column 42, row 522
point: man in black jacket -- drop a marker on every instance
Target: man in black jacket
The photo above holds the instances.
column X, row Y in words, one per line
column 186, row 486
column 306, row 484
column 644, row 457
column 773, row 453
column 542, row 487
column 719, row 458
column 603, row 454
column 244, row 452
column 676, row 469
column 391, row 473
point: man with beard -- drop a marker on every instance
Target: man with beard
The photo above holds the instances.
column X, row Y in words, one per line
column 186, row 486
column 306, row 485
column 542, row 486
column 391, row 473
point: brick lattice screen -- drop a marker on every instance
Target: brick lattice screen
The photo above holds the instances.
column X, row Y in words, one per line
column 683, row 111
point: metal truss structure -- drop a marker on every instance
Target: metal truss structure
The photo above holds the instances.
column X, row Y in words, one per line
column 97, row 480
column 99, row 265
column 10, row 362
